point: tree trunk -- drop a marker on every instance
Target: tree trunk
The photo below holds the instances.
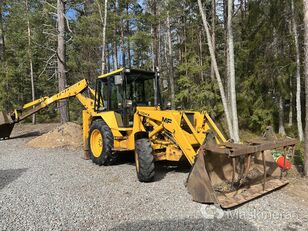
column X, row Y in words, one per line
column 201, row 58
column 166, row 53
column 128, row 38
column 103, row 19
column 291, row 106
column 115, row 48
column 232, row 74
column 61, row 59
column 185, row 47
column 213, row 58
column 115, row 51
column 306, row 84
column 226, row 53
column 122, row 44
column 213, row 35
column 3, row 54
column 152, row 49
column 159, row 45
column 30, row 59
column 155, row 35
column 104, row 34
column 171, row 71
column 2, row 42
column 108, row 52
column 281, row 116
column 298, row 77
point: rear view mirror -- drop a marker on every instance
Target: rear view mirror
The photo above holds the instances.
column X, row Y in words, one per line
column 118, row 80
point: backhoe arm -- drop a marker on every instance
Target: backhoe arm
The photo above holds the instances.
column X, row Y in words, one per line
column 37, row 105
column 7, row 120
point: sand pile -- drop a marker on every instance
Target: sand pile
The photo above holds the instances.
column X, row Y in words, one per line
column 67, row 135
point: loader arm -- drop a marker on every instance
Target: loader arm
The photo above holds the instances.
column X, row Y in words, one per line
column 222, row 172
column 187, row 134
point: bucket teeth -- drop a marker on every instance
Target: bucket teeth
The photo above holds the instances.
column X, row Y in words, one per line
column 6, row 125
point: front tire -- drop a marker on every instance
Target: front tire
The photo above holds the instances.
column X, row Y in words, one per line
column 144, row 160
column 100, row 142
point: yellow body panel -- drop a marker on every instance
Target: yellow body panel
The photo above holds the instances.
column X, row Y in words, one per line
column 86, row 121
column 172, row 153
column 184, row 140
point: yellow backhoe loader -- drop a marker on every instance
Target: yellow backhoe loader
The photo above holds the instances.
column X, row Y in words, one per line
column 125, row 114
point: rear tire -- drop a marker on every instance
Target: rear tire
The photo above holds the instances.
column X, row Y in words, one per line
column 100, row 142
column 144, row 160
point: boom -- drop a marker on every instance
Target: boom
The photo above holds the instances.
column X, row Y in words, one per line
column 7, row 120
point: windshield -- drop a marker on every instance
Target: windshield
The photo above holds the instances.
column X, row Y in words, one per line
column 140, row 90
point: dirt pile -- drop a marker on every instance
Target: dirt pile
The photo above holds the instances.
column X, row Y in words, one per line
column 68, row 135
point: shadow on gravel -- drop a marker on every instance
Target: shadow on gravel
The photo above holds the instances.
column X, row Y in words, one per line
column 188, row 224
column 126, row 157
column 29, row 134
column 9, row 175
column 162, row 168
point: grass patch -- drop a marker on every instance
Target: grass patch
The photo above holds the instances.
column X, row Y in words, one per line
column 247, row 135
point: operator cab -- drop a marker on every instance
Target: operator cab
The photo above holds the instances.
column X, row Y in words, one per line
column 123, row 90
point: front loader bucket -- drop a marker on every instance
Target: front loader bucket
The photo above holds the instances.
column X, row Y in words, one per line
column 231, row 174
column 6, row 125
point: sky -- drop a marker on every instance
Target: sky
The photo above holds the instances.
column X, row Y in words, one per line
column 72, row 13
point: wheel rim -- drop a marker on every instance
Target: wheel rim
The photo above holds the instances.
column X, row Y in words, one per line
column 96, row 143
column 137, row 161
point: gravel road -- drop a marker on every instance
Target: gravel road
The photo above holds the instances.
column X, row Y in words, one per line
column 46, row 189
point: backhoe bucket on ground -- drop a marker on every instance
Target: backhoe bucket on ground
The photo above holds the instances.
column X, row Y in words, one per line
column 230, row 174
column 6, row 125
